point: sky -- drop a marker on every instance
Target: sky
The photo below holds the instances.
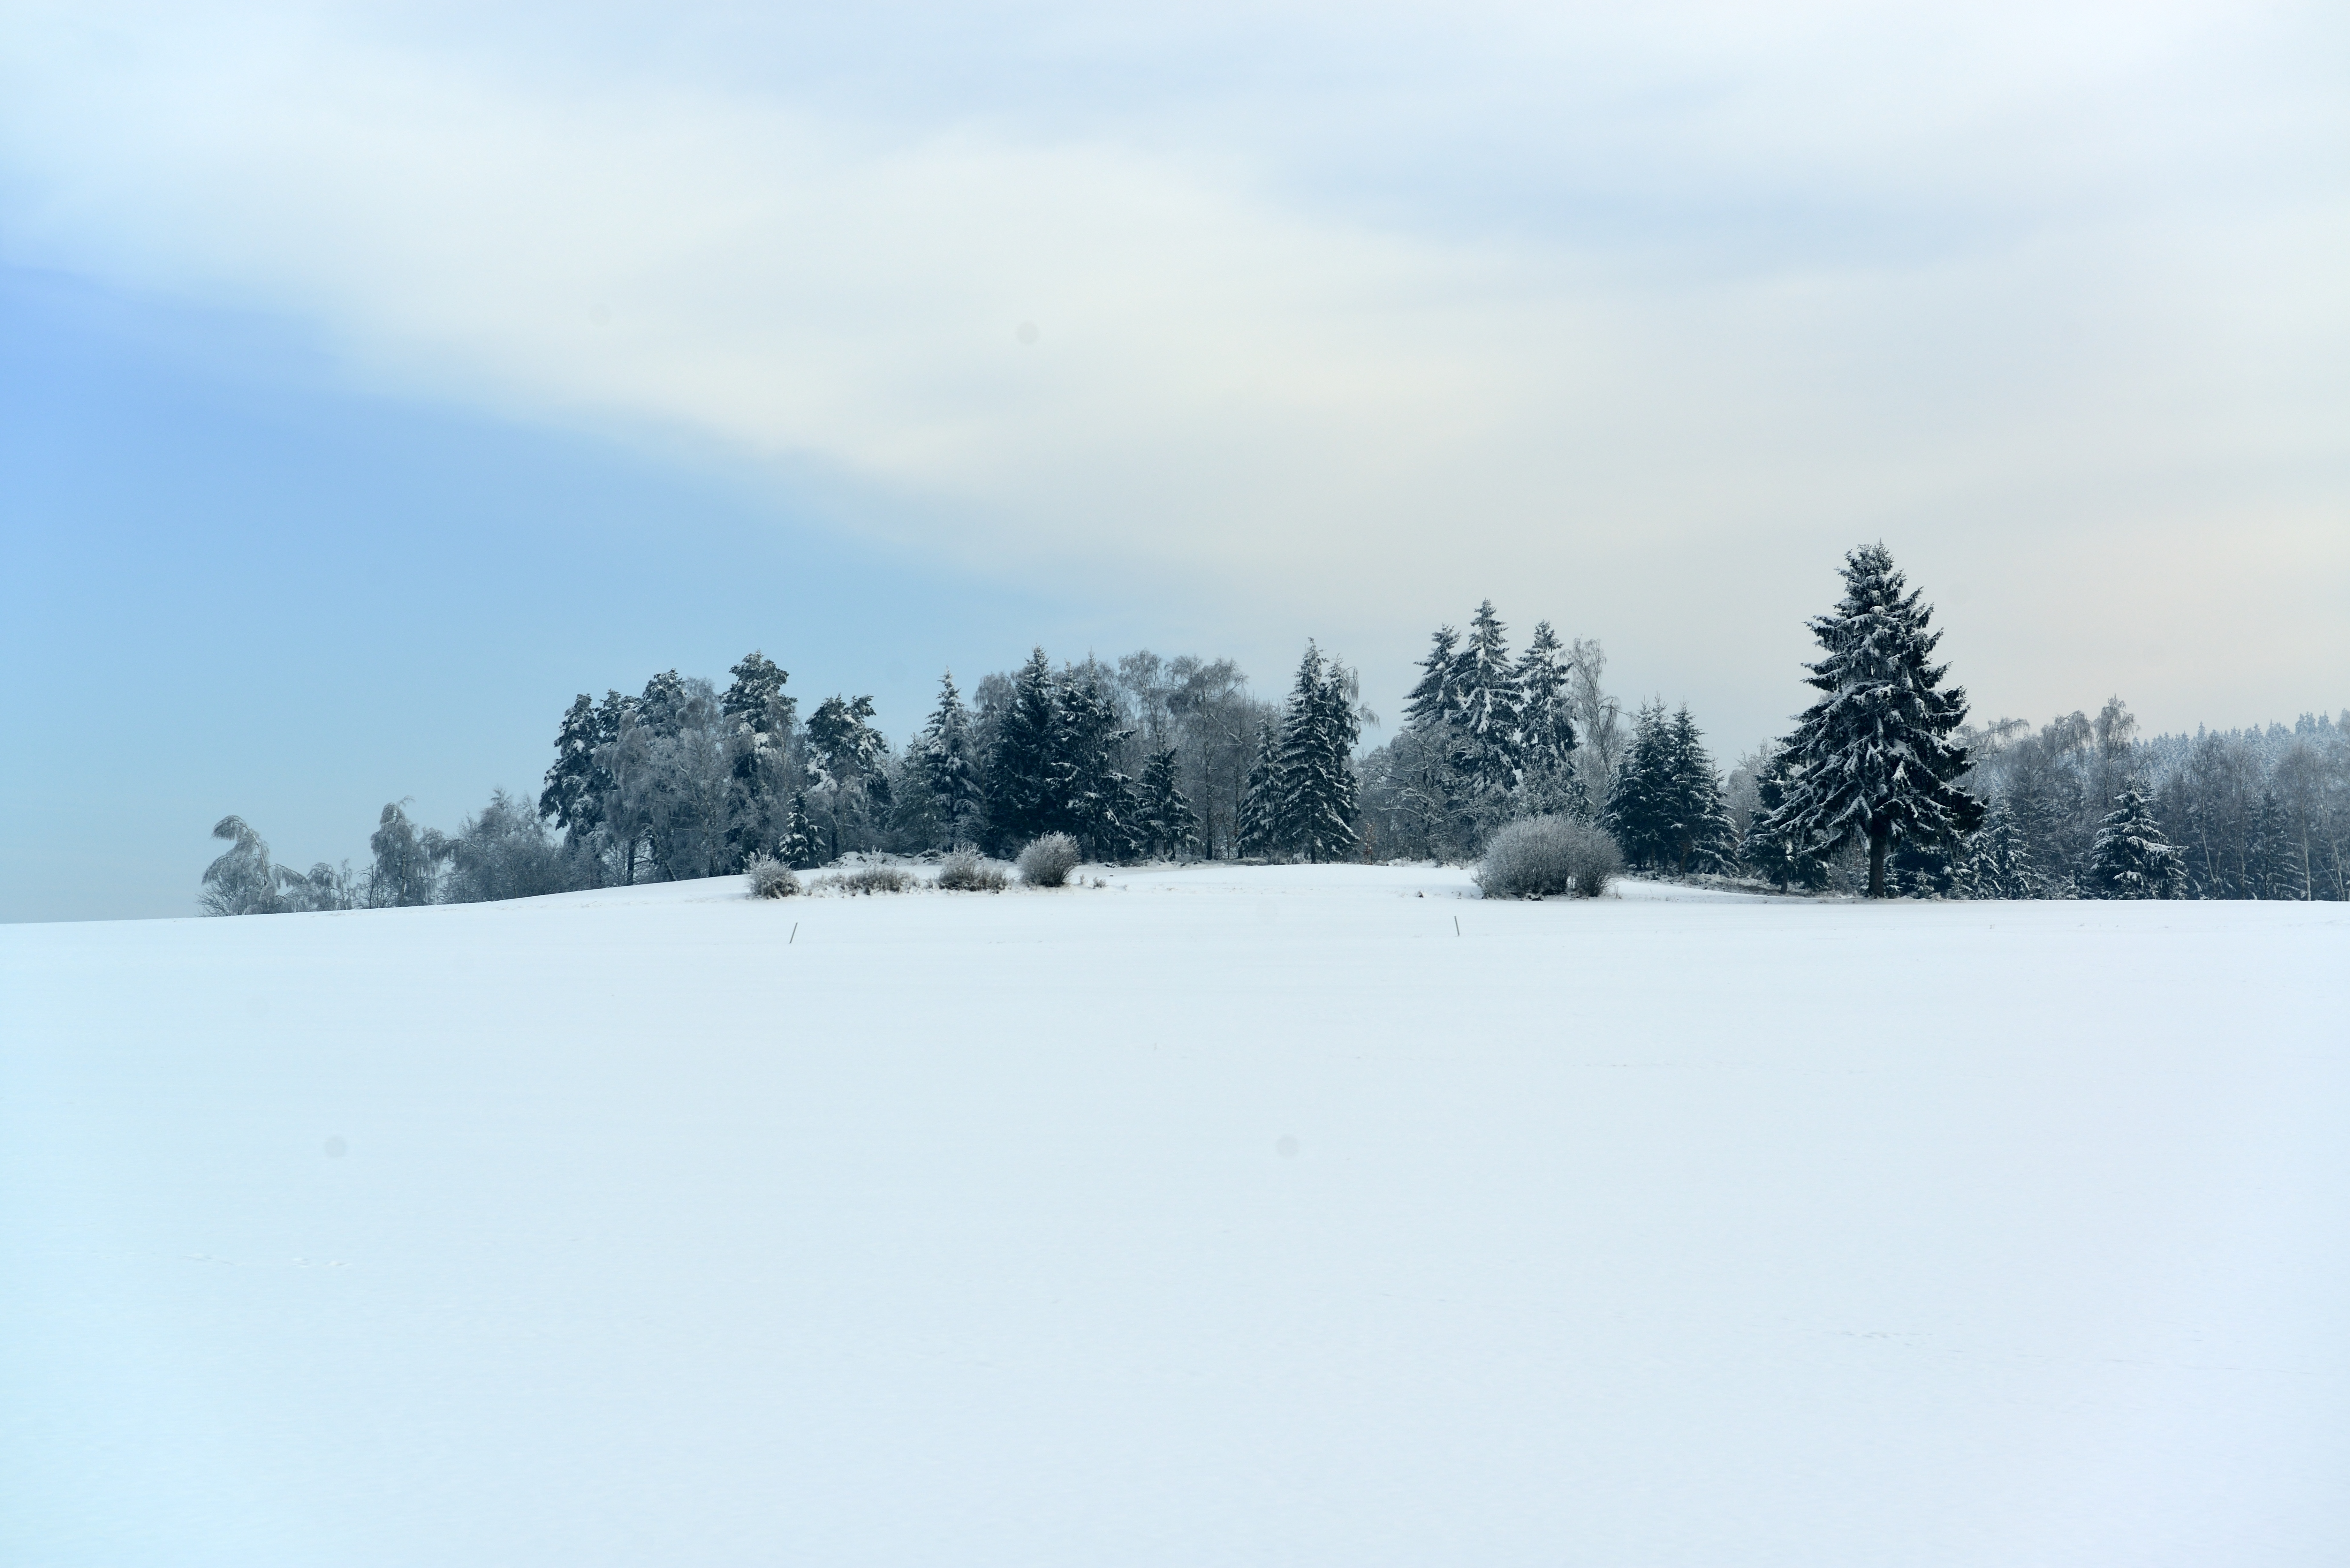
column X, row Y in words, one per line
column 373, row 378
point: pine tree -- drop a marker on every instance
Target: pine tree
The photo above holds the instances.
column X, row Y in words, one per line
column 1020, row 783
column 576, row 783
column 1636, row 811
column 1485, row 685
column 1767, row 850
column 2131, row 859
column 1546, row 736
column 1872, row 759
column 1697, row 825
column 1091, row 800
column 757, row 688
column 1434, row 702
column 1259, row 826
column 1999, row 858
column 1667, row 810
column 1312, row 778
column 944, row 752
column 761, row 719
column 663, row 707
column 798, row 847
column 2267, row 864
column 1166, row 820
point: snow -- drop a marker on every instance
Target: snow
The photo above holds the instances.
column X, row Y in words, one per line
column 1211, row 1216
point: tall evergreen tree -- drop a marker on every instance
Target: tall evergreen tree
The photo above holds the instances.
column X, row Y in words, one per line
column 799, row 847
column 1767, row 850
column 849, row 753
column 1167, row 821
column 1260, row 815
column 1637, row 811
column 1667, row 809
column 1434, row 700
column 1090, row 800
column 2267, row 864
column 1311, row 777
column 1021, row 785
column 1546, row 738
column 577, row 782
column 1872, row 759
column 2131, row 859
column 759, row 766
column 1700, row 834
column 1999, row 857
column 1486, row 687
column 757, row 689
column 944, row 752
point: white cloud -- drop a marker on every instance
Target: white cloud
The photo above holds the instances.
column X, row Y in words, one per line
column 1361, row 306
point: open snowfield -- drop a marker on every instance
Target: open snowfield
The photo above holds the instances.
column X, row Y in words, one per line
column 1212, row 1217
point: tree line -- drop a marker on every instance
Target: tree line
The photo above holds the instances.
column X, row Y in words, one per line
column 1883, row 787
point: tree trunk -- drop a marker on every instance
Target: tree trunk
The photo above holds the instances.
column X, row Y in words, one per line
column 1876, row 864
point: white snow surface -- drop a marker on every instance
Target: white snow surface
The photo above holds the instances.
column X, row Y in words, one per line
column 1214, row 1216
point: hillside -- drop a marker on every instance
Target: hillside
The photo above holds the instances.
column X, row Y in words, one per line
column 1309, row 1215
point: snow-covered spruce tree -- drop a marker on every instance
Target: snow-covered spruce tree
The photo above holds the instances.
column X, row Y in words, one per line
column 1637, row 811
column 1422, row 777
column 1999, row 858
column 799, row 847
column 1167, row 823
column 1548, row 781
column 2266, row 864
column 1767, row 850
column 1872, row 759
column 944, row 752
column 1313, row 771
column 1485, row 687
column 758, row 724
column 2131, row 859
column 577, row 783
column 1433, row 701
column 1700, row 833
column 1093, row 801
column 1667, row 809
column 849, row 758
column 1020, row 765
column 1259, row 830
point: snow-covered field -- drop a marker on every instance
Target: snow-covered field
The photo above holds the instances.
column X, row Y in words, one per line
column 1214, row 1216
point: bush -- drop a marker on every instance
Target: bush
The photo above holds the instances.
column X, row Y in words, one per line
column 1544, row 856
column 1047, row 861
column 771, row 879
column 964, row 872
column 871, row 879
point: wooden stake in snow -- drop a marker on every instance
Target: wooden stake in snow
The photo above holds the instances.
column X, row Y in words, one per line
column 1456, row 925
column 795, row 934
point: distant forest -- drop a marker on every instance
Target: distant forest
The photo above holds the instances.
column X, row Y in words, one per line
column 1885, row 785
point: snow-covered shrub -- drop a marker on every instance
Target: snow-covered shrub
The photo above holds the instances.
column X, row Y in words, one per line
column 874, row 879
column 1545, row 857
column 964, row 872
column 771, row 879
column 1047, row 861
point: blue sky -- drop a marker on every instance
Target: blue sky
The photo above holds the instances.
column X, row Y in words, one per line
column 375, row 378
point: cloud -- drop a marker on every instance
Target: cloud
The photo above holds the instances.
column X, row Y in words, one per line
column 1361, row 302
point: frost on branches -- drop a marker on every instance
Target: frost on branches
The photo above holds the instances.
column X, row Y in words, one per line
column 2131, row 858
column 1872, row 760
